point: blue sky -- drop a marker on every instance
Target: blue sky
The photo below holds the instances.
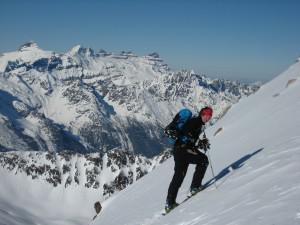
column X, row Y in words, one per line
column 245, row 40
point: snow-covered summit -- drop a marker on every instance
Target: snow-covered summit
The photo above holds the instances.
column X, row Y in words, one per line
column 28, row 53
column 79, row 50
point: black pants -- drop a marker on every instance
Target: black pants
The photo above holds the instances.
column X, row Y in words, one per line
column 183, row 157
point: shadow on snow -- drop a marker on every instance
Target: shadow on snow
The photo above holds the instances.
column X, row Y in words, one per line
column 234, row 166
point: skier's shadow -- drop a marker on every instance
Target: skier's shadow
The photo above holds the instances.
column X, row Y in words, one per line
column 234, row 166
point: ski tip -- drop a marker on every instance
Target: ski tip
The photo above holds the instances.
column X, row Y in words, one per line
column 94, row 217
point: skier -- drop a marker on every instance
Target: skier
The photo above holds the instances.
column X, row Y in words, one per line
column 186, row 152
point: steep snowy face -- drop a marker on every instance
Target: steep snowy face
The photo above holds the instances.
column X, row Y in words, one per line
column 88, row 101
column 255, row 153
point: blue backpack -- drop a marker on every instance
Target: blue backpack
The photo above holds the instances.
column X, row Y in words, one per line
column 173, row 130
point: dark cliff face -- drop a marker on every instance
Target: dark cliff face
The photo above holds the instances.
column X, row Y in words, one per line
column 108, row 173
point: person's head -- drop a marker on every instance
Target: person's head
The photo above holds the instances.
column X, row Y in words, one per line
column 206, row 114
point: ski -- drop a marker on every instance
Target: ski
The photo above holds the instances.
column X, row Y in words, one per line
column 186, row 199
column 189, row 196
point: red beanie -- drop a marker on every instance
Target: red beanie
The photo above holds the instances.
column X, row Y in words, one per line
column 206, row 111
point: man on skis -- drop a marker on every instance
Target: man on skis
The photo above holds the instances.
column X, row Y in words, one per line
column 186, row 152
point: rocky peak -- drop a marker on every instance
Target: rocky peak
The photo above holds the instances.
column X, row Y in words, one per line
column 154, row 55
column 29, row 45
column 102, row 52
column 79, row 50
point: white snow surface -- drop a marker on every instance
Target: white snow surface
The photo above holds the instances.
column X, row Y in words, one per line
column 256, row 160
column 255, row 157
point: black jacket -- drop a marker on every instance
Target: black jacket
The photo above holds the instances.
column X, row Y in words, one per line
column 191, row 132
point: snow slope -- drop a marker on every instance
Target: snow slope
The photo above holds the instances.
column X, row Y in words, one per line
column 30, row 202
column 256, row 160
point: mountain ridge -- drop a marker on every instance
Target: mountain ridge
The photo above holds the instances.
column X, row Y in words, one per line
column 84, row 101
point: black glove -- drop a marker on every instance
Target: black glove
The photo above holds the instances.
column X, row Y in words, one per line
column 204, row 144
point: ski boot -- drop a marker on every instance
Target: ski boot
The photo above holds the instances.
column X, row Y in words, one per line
column 170, row 206
column 195, row 190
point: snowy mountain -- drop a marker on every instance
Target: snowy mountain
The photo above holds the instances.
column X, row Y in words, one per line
column 107, row 172
column 255, row 152
column 86, row 101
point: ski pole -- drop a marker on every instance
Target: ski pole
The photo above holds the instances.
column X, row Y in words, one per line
column 209, row 160
column 212, row 170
